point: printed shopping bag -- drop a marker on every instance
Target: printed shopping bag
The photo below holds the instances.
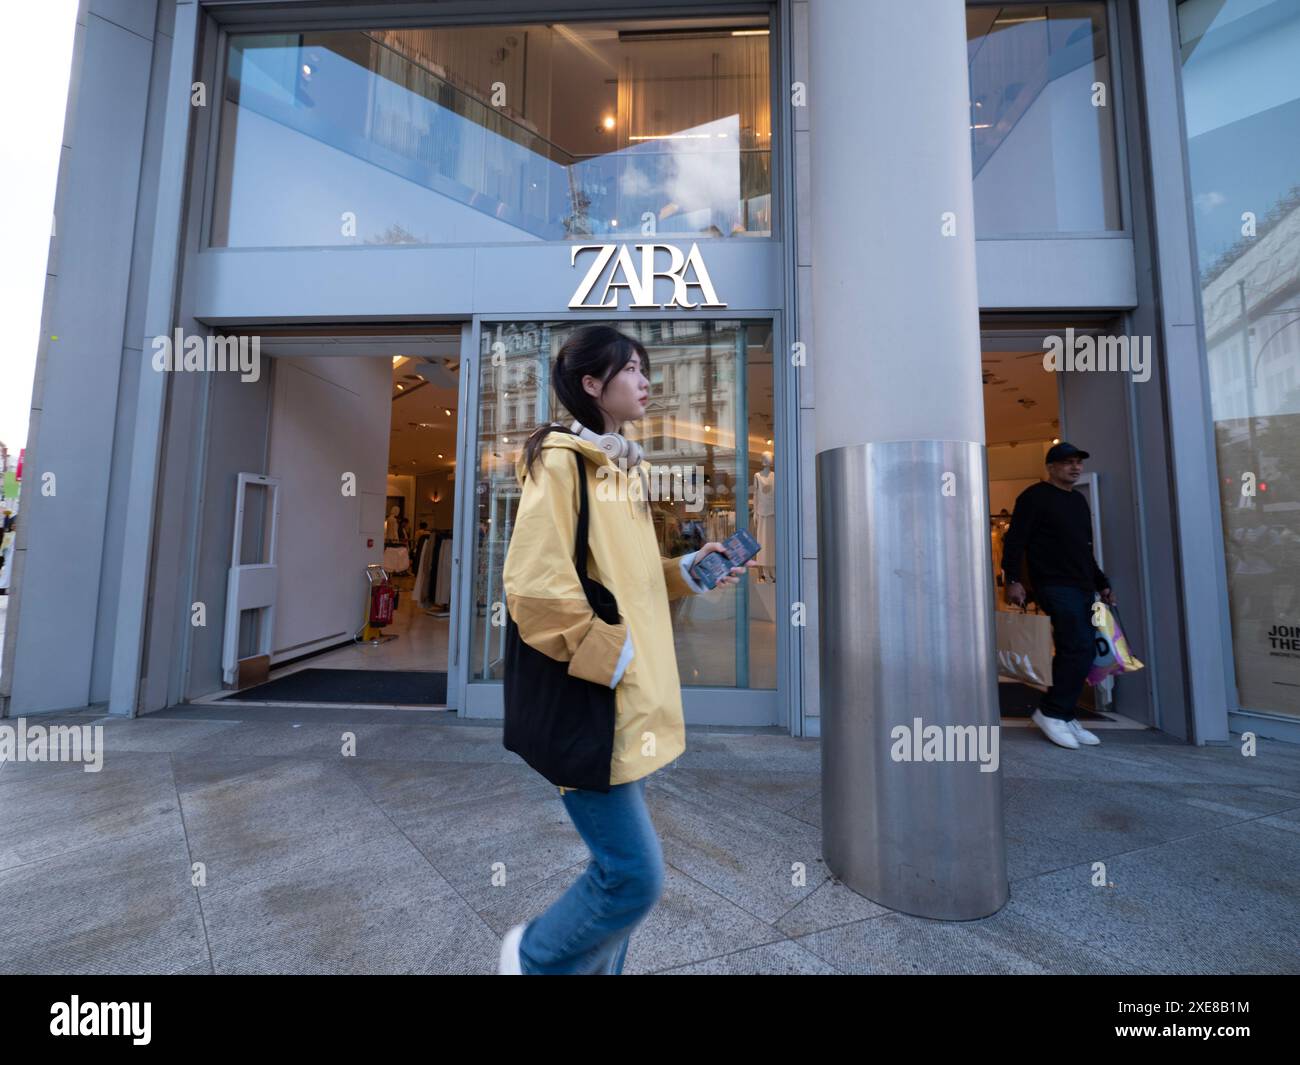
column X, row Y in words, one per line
column 1113, row 654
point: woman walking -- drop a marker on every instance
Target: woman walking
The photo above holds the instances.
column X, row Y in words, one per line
column 601, row 378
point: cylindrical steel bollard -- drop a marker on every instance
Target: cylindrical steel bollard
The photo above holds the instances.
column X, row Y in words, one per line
column 911, row 784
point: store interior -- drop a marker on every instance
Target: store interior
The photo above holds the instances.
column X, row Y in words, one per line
column 501, row 132
column 419, row 508
column 361, row 441
column 1022, row 420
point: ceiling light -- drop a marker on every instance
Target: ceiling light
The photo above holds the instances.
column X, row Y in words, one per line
column 686, row 33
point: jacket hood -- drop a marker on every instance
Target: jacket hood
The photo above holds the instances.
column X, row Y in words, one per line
column 585, row 448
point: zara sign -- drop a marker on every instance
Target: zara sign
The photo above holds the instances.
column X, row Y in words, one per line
column 639, row 279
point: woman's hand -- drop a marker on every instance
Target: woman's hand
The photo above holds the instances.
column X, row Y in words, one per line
column 737, row 572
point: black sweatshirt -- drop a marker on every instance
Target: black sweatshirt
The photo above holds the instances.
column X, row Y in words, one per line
column 1053, row 527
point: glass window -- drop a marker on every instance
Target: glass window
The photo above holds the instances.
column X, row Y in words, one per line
column 465, row 134
column 726, row 638
column 1042, row 126
column 1241, row 87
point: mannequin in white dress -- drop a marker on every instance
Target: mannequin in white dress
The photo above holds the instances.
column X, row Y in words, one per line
column 764, row 521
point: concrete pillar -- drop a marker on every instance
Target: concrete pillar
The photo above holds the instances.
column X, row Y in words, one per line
column 902, row 497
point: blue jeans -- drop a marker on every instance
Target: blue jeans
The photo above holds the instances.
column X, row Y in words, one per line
column 586, row 930
column 1075, row 638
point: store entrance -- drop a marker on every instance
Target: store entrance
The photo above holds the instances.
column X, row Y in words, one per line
column 361, row 453
column 1027, row 409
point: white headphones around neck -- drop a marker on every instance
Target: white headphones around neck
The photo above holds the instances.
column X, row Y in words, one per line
column 615, row 445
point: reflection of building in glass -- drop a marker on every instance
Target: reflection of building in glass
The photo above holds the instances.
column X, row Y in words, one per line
column 710, row 383
column 1252, row 321
column 1242, row 113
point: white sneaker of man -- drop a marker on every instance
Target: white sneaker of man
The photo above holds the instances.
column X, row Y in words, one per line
column 1082, row 734
column 509, row 964
column 1056, row 730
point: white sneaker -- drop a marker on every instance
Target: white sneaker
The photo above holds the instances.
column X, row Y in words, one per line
column 1056, row 730
column 1082, row 734
column 509, row 963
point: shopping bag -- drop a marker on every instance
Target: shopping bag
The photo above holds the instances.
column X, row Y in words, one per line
column 1113, row 654
column 1025, row 647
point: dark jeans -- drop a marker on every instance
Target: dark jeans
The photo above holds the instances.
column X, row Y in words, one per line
column 1075, row 638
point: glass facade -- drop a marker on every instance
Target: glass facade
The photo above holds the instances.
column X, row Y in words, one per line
column 492, row 134
column 709, row 436
column 1042, row 119
column 1241, row 87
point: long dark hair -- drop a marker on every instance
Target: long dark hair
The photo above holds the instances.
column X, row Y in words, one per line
column 599, row 350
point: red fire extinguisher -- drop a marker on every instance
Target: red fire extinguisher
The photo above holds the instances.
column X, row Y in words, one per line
column 381, row 603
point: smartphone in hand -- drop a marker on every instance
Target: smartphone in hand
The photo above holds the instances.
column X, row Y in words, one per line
column 740, row 547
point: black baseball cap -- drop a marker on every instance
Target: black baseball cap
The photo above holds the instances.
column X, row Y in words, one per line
column 1062, row 451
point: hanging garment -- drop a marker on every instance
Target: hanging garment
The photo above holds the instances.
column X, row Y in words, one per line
column 420, row 593
column 765, row 517
column 442, row 587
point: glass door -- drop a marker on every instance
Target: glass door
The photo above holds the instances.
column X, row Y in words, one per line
column 709, row 435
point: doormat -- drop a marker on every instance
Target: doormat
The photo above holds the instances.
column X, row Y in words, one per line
column 1020, row 700
column 406, row 686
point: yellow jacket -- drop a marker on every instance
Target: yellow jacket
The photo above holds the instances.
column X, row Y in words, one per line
column 547, row 602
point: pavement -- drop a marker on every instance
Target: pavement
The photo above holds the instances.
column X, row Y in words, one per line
column 240, row 840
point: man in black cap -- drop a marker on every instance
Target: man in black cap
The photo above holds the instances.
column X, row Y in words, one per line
column 1051, row 530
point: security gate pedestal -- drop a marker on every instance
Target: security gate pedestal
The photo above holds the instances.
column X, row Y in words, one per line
column 250, row 586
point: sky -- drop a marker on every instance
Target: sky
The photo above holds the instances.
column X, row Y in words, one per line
column 33, row 96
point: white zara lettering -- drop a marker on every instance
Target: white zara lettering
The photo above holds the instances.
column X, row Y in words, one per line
column 684, row 271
